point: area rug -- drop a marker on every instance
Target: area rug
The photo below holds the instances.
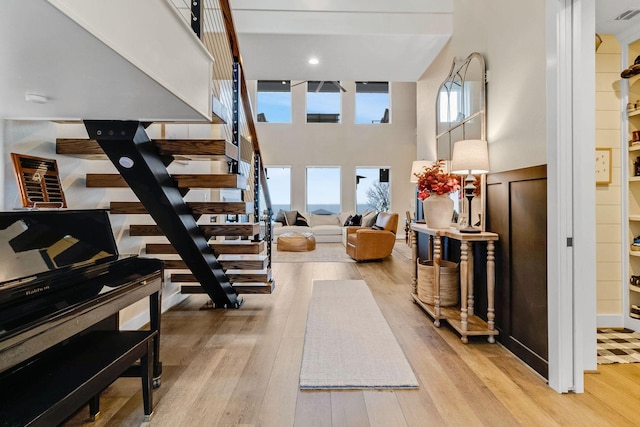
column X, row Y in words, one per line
column 348, row 343
column 324, row 252
column 618, row 346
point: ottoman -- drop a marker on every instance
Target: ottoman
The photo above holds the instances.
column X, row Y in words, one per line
column 296, row 242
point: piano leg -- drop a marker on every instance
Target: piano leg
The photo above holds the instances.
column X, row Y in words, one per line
column 94, row 407
column 155, row 301
column 146, row 368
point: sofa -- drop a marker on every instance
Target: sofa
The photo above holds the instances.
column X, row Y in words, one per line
column 327, row 228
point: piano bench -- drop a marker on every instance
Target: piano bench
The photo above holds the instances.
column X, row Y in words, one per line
column 54, row 385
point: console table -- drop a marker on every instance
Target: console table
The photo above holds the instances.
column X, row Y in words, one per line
column 462, row 319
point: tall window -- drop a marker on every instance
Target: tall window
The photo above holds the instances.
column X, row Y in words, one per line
column 372, row 102
column 279, row 182
column 372, row 189
column 323, row 189
column 323, row 101
column 274, row 101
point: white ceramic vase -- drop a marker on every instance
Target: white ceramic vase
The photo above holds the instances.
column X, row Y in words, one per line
column 438, row 211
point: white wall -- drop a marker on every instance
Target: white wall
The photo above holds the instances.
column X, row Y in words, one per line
column 348, row 145
column 515, row 61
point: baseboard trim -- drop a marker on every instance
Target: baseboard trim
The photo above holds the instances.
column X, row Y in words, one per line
column 609, row 321
column 142, row 318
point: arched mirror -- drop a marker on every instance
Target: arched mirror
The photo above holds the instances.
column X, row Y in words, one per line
column 461, row 115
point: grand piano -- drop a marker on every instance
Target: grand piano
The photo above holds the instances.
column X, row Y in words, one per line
column 62, row 286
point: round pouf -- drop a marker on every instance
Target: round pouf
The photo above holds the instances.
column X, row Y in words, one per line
column 296, row 242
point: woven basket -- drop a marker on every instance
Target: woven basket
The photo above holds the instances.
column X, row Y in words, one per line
column 449, row 289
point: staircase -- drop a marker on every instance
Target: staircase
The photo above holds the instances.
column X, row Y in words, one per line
column 224, row 259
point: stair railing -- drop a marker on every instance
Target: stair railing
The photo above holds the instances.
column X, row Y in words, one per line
column 212, row 21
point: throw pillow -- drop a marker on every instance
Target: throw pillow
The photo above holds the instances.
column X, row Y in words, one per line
column 347, row 222
column 369, row 219
column 331, row 219
column 376, row 227
column 280, row 217
column 356, row 220
column 302, row 221
column 290, row 217
column 342, row 216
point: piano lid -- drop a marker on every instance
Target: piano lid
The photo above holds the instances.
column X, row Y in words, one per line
column 33, row 242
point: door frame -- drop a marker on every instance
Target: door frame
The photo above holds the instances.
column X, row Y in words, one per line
column 570, row 31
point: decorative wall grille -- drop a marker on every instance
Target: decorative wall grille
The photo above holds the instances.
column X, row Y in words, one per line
column 38, row 181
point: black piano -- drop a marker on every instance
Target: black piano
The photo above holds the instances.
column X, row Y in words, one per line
column 62, row 286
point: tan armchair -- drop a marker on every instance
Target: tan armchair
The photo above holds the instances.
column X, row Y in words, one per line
column 371, row 243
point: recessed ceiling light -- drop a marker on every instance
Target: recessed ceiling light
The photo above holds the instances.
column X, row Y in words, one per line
column 314, row 61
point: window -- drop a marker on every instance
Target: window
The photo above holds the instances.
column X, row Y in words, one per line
column 323, row 189
column 274, row 101
column 372, row 102
column 372, row 189
column 323, row 102
column 279, row 182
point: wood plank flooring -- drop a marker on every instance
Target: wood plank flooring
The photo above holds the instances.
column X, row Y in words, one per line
column 241, row 368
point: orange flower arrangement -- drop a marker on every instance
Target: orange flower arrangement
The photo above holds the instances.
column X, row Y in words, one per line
column 434, row 180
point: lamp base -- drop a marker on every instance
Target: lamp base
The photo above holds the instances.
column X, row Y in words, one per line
column 469, row 229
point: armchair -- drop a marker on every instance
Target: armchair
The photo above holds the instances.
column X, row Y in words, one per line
column 373, row 243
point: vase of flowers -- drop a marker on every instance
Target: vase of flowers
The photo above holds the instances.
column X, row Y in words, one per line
column 434, row 187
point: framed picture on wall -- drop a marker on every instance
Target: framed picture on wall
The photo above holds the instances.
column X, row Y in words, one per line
column 603, row 165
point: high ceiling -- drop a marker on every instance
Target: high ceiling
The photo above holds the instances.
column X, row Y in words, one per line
column 353, row 40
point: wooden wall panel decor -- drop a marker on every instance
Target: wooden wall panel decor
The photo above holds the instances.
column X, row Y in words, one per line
column 38, row 181
column 517, row 211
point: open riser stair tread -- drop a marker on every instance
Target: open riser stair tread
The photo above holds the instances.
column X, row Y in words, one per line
column 182, row 149
column 235, row 276
column 198, row 208
column 233, row 229
column 241, row 288
column 114, row 180
column 228, row 261
column 219, row 247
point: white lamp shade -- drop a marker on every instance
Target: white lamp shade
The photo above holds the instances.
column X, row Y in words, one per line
column 417, row 167
column 470, row 156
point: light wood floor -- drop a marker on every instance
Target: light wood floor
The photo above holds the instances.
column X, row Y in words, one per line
column 240, row 367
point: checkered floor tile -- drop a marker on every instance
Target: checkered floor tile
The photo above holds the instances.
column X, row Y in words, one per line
column 618, row 346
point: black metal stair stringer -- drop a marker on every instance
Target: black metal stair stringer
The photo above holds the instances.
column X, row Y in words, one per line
column 132, row 152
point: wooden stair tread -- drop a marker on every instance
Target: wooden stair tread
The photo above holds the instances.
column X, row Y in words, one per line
column 198, row 208
column 228, row 180
column 235, row 276
column 219, row 246
column 237, row 246
column 181, row 149
column 241, row 288
column 209, row 230
column 228, row 261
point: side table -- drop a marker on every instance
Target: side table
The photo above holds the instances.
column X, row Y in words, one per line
column 462, row 319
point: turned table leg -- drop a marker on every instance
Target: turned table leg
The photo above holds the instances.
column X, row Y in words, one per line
column 491, row 286
column 470, row 281
column 436, row 279
column 414, row 257
column 464, row 251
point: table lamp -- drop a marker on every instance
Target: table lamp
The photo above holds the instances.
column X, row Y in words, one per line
column 470, row 156
column 417, row 167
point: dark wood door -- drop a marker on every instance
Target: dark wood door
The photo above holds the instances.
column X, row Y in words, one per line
column 517, row 211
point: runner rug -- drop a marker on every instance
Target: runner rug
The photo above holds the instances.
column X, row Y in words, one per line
column 618, row 346
column 348, row 343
